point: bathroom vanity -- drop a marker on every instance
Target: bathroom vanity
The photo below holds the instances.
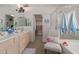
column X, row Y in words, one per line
column 14, row 43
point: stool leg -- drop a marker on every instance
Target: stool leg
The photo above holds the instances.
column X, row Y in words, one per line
column 45, row 51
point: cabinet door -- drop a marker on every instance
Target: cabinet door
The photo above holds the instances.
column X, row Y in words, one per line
column 21, row 43
column 30, row 36
column 24, row 40
column 27, row 38
column 12, row 47
column 10, row 44
column 3, row 48
column 17, row 45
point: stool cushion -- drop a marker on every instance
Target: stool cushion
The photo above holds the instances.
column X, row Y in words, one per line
column 53, row 39
column 53, row 47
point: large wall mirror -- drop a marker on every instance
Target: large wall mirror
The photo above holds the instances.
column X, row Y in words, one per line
column 22, row 21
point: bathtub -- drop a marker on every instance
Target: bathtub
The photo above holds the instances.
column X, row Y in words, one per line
column 72, row 48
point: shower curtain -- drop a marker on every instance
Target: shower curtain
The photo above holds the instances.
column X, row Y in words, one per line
column 73, row 24
column 63, row 24
column 69, row 27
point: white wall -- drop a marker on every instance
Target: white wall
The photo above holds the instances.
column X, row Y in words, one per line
column 44, row 11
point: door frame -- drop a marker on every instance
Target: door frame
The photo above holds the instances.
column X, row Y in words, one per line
column 41, row 23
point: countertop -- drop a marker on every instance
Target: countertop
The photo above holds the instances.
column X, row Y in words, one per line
column 9, row 36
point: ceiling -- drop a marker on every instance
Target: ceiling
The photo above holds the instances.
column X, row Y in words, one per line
column 45, row 5
column 61, row 7
column 41, row 5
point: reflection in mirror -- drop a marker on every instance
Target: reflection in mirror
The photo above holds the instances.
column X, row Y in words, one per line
column 9, row 21
column 1, row 24
column 22, row 21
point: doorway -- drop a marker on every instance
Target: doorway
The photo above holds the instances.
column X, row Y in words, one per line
column 38, row 19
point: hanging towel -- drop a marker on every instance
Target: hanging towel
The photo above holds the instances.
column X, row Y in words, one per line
column 63, row 24
column 73, row 22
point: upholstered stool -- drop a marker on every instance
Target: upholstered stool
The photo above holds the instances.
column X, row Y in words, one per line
column 52, row 47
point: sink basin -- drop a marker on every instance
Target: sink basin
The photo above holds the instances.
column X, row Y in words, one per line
column 3, row 36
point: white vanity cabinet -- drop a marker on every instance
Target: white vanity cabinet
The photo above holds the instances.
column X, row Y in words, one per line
column 15, row 44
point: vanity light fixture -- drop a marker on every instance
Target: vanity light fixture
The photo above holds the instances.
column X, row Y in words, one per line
column 21, row 8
